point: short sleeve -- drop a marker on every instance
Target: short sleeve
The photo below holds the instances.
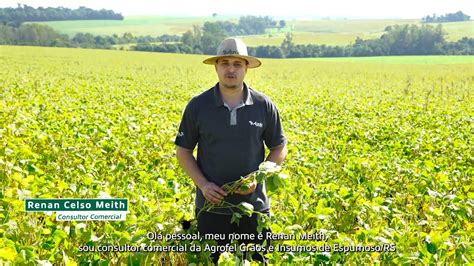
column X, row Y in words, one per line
column 187, row 136
column 273, row 133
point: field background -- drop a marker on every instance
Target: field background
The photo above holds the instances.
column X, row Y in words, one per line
column 137, row 25
column 378, row 152
column 329, row 32
column 428, row 60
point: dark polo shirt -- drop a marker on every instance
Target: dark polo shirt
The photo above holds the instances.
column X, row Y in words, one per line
column 230, row 142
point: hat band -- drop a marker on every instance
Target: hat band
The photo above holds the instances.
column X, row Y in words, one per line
column 226, row 52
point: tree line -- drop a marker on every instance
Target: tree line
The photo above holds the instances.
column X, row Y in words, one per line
column 43, row 35
column 249, row 25
column 28, row 13
column 200, row 40
column 205, row 39
column 449, row 17
column 396, row 40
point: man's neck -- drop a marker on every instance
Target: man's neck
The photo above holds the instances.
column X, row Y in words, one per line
column 232, row 95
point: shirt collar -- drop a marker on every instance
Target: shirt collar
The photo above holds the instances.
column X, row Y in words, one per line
column 218, row 97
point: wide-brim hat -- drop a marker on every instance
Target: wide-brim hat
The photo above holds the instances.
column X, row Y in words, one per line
column 236, row 48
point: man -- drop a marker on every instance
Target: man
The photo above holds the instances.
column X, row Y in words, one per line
column 231, row 122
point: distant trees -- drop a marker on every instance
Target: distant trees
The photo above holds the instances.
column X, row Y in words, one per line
column 203, row 40
column 397, row 40
column 206, row 39
column 199, row 40
column 450, row 17
column 212, row 35
column 164, row 38
column 193, row 39
column 164, row 48
column 33, row 34
column 465, row 46
column 250, row 25
column 28, row 13
column 282, row 24
column 287, row 44
column 267, row 51
column 412, row 40
column 42, row 35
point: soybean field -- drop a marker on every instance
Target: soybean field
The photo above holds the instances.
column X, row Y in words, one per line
column 379, row 154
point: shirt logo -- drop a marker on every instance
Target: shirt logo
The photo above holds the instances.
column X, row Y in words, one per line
column 257, row 124
column 180, row 134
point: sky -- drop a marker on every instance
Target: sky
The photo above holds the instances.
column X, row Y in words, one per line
column 277, row 9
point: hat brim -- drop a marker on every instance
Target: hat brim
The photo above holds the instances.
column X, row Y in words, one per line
column 253, row 61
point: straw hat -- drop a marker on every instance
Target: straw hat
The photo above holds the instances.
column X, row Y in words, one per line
column 233, row 47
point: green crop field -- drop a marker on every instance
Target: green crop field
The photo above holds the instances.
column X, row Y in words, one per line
column 457, row 30
column 380, row 155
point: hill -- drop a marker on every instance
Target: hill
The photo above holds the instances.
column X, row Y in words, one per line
column 329, row 32
column 343, row 32
column 137, row 25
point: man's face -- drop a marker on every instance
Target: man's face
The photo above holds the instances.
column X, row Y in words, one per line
column 231, row 72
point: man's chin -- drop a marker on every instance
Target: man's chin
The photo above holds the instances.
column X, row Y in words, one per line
column 230, row 86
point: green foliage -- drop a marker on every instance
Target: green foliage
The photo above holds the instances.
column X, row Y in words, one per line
column 28, row 13
column 449, row 17
column 378, row 153
column 208, row 38
column 255, row 25
column 397, row 40
column 32, row 34
column 287, row 44
column 411, row 40
column 43, row 35
column 267, row 174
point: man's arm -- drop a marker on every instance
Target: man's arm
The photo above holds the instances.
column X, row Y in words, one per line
column 211, row 191
column 277, row 154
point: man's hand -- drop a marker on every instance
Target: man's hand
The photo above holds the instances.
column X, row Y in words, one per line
column 213, row 192
column 249, row 189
